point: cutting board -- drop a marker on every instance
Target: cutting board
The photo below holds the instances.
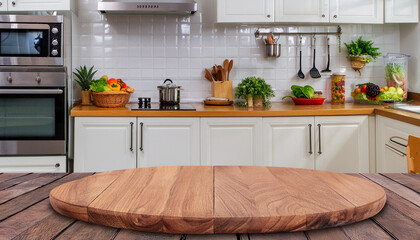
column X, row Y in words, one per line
column 220, row 199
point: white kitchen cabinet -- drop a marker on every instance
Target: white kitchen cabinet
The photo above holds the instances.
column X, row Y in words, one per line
column 168, row 142
column 231, row 141
column 36, row 5
column 33, row 164
column 342, row 144
column 288, row 142
column 401, row 11
column 245, row 11
column 3, row 5
column 302, row 11
column 388, row 161
column 104, row 143
column 356, row 11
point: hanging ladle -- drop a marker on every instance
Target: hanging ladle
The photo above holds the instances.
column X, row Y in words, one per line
column 300, row 73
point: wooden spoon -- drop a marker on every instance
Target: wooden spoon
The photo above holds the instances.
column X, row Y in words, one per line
column 219, row 75
column 226, row 64
column 230, row 68
column 208, row 75
column 223, row 75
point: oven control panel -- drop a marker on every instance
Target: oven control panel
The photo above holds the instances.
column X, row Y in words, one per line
column 55, row 40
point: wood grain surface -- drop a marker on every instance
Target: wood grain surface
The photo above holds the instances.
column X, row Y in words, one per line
column 275, row 110
column 222, row 199
column 30, row 216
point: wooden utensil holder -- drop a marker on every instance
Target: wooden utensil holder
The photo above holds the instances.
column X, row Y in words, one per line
column 223, row 89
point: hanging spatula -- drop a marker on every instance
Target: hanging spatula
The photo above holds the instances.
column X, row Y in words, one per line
column 314, row 71
column 328, row 63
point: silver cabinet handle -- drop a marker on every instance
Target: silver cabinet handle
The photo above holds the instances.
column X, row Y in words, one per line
column 310, row 138
column 319, row 139
column 335, row 16
column 391, row 139
column 323, row 15
column 131, row 136
column 141, row 136
column 396, row 151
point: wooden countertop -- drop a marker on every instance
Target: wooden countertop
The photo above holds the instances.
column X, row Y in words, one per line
column 276, row 110
column 25, row 213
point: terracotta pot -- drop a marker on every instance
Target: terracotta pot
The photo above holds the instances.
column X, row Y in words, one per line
column 258, row 102
column 358, row 63
column 250, row 101
column 86, row 98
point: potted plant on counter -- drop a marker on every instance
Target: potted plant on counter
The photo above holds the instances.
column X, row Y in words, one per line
column 361, row 53
column 255, row 90
column 84, row 79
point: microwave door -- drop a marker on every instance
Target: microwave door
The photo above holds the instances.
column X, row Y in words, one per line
column 24, row 40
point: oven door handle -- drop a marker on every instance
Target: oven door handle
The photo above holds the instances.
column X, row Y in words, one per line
column 31, row 91
column 23, row 26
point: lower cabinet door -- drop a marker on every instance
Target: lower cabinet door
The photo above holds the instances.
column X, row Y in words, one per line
column 33, row 164
column 168, row 142
column 387, row 160
column 342, row 144
column 104, row 143
column 231, row 141
column 288, row 142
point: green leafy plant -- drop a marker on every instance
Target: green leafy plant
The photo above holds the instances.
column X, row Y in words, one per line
column 307, row 92
column 84, row 76
column 100, row 85
column 362, row 48
column 255, row 87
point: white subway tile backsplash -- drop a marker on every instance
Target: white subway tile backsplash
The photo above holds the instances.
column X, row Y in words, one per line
column 145, row 50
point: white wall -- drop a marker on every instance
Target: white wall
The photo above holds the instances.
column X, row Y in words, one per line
column 410, row 39
column 145, row 50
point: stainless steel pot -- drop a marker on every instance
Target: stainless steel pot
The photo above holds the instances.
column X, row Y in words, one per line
column 169, row 93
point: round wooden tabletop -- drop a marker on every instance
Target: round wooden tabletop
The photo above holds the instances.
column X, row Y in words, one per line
column 220, row 199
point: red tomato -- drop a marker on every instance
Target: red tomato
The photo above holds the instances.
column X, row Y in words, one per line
column 364, row 88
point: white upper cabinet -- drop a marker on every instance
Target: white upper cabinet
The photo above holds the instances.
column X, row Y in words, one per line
column 168, row 142
column 302, row 11
column 401, row 11
column 356, row 11
column 37, row 5
column 245, row 10
column 342, row 144
column 288, row 142
column 231, row 141
column 3, row 5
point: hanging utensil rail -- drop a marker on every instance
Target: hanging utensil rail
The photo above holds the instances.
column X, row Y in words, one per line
column 259, row 34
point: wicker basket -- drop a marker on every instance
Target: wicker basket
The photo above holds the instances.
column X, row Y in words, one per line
column 358, row 63
column 110, row 99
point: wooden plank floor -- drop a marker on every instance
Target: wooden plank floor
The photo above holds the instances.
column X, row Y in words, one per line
column 25, row 213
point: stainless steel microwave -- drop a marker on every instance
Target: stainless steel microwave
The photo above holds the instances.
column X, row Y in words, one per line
column 31, row 40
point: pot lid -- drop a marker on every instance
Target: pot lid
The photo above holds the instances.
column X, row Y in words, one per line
column 168, row 83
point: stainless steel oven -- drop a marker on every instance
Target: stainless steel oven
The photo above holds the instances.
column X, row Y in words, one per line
column 32, row 110
column 31, row 40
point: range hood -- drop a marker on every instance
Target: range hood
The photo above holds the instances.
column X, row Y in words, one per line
column 182, row 7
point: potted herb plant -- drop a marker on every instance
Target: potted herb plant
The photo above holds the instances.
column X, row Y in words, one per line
column 84, row 78
column 255, row 90
column 361, row 53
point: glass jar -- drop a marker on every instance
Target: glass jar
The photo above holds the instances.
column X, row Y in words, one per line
column 338, row 91
column 396, row 68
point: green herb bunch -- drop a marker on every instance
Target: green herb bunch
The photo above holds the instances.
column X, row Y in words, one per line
column 255, row 87
column 84, row 76
column 362, row 47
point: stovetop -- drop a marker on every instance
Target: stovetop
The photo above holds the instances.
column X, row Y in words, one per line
column 158, row 107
